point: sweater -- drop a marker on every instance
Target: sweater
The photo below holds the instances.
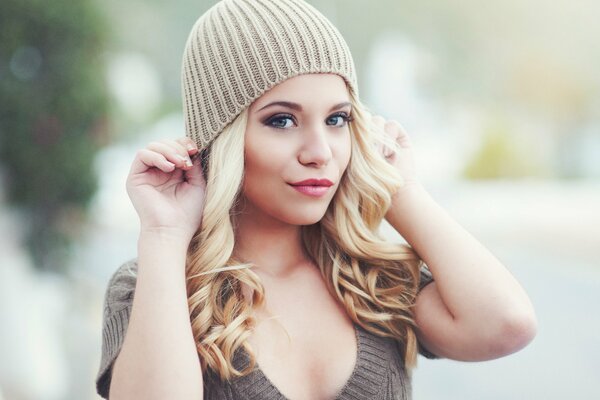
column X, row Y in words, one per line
column 379, row 372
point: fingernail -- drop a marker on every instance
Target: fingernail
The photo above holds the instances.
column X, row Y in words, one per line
column 190, row 147
column 186, row 160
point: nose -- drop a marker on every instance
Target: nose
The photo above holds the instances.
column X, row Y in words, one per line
column 316, row 149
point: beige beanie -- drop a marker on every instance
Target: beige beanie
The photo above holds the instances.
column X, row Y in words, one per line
column 239, row 49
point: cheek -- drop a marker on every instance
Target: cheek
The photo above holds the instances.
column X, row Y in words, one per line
column 262, row 174
column 255, row 166
column 267, row 192
column 344, row 152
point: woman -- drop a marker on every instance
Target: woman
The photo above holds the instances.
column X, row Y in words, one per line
column 260, row 273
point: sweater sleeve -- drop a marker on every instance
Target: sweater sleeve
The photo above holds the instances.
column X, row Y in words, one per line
column 117, row 308
column 426, row 278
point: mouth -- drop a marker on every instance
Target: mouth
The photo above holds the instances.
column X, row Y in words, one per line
column 313, row 187
column 313, row 182
column 314, row 191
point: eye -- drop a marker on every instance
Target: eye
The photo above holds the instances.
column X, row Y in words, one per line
column 279, row 121
column 342, row 118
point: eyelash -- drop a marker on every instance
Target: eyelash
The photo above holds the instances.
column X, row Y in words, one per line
column 347, row 118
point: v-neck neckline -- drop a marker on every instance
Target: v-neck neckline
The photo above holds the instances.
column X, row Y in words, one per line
column 365, row 380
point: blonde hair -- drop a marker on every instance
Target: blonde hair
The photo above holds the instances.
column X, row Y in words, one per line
column 375, row 280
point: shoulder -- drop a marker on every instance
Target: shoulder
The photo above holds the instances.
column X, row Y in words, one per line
column 121, row 287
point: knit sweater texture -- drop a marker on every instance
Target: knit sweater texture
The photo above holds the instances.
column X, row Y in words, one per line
column 379, row 372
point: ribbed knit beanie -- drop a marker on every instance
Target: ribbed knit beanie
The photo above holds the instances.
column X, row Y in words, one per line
column 239, row 49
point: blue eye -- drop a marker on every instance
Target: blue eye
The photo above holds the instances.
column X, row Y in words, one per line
column 275, row 122
column 281, row 121
column 341, row 117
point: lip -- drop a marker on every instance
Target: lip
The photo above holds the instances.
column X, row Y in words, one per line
column 313, row 187
column 313, row 182
column 312, row 190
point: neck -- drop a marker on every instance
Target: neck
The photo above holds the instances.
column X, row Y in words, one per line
column 274, row 247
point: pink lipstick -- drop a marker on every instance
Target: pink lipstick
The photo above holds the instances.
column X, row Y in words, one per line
column 313, row 187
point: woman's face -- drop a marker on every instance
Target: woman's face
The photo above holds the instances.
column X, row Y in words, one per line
column 296, row 131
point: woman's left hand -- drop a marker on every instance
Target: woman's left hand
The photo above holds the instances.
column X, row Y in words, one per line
column 402, row 159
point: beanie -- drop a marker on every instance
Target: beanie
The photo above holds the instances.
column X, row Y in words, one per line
column 239, row 49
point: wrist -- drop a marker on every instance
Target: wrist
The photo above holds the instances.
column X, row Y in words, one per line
column 409, row 195
column 162, row 235
column 408, row 192
column 160, row 251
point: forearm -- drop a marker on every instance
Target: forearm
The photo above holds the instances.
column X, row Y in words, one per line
column 158, row 359
column 472, row 283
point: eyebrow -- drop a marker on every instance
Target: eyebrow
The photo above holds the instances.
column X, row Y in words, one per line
column 298, row 107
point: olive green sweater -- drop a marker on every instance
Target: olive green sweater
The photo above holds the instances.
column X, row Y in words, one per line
column 379, row 371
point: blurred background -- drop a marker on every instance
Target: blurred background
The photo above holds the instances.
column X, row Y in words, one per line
column 501, row 99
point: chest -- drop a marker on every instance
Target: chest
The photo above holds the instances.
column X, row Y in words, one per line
column 308, row 369
column 306, row 346
column 378, row 374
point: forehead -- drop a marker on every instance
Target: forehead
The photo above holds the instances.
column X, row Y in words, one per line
column 310, row 90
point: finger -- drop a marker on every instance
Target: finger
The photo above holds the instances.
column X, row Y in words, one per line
column 392, row 132
column 184, row 145
column 389, row 128
column 404, row 141
column 189, row 144
column 194, row 175
column 146, row 159
column 177, row 146
column 172, row 152
column 403, row 137
column 392, row 129
column 387, row 152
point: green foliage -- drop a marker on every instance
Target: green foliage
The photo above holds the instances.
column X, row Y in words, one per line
column 499, row 156
column 53, row 116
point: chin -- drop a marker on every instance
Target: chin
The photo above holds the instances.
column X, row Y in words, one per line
column 307, row 218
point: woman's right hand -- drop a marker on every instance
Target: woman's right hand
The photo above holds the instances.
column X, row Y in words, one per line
column 166, row 188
